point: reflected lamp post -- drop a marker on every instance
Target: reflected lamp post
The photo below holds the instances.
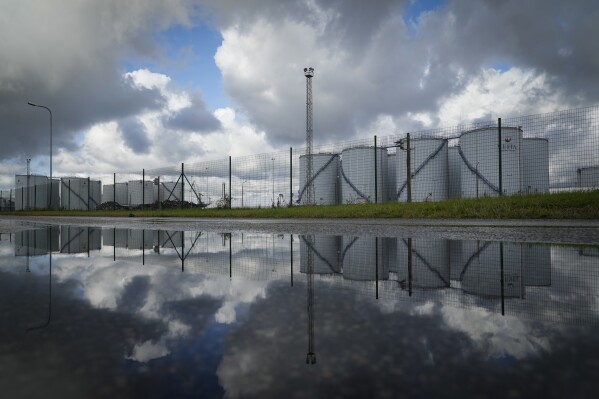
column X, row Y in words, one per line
column 50, row 111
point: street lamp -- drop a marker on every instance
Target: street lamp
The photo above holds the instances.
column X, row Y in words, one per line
column 48, row 109
column 242, row 192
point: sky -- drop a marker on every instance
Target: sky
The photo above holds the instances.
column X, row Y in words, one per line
column 153, row 83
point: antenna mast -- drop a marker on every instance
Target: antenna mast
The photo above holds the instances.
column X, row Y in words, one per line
column 309, row 73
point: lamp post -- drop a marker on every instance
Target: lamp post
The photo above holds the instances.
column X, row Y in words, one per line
column 242, row 192
column 50, row 111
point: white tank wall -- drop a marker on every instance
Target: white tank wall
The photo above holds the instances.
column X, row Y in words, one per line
column 430, row 184
column 325, row 254
column 535, row 165
column 454, row 173
column 137, row 188
column 168, row 190
column 391, row 180
column 588, row 177
column 482, row 274
column 358, row 256
column 357, row 164
column 74, row 193
column 140, row 239
column 536, row 265
column 326, row 183
column 479, row 147
column 38, row 194
column 430, row 262
column 122, row 193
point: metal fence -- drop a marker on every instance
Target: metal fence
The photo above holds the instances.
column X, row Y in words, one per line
column 542, row 153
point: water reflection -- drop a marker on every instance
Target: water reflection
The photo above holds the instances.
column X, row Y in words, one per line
column 234, row 308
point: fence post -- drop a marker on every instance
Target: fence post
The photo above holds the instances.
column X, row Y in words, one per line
column 159, row 203
column 182, row 183
column 230, row 199
column 409, row 169
column 88, row 201
column 10, row 200
column 500, row 160
column 114, row 192
column 290, row 176
column 143, row 188
column 376, row 186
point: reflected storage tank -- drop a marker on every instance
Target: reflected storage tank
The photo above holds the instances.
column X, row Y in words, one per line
column 325, row 253
column 536, row 265
column 428, row 158
column 325, row 172
column 535, row 165
column 454, row 173
column 357, row 175
column 480, row 161
column 482, row 269
column 359, row 259
column 430, row 262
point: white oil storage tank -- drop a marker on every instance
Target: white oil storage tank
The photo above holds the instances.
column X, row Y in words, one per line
column 454, row 173
column 391, row 180
column 168, row 191
column 140, row 192
column 35, row 192
column 357, row 175
column 79, row 193
column 535, row 165
column 428, row 163
column 430, row 262
column 325, row 179
column 120, row 197
column 479, row 156
column 325, row 253
column 588, row 177
column 362, row 258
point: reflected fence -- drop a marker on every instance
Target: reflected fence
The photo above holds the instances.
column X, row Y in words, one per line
column 542, row 153
column 510, row 278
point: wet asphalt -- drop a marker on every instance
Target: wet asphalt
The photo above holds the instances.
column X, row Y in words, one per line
column 546, row 231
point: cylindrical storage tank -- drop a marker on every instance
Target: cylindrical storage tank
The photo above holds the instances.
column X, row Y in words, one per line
column 357, row 175
column 535, row 165
column 588, row 177
column 325, row 253
column 391, row 180
column 95, row 194
column 428, row 158
column 536, row 262
column 454, row 173
column 122, row 193
column 430, row 262
column 359, row 259
column 325, row 179
column 482, row 270
column 33, row 192
column 169, row 191
column 140, row 192
column 479, row 156
column 74, row 193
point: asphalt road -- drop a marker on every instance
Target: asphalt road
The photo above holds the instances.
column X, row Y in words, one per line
column 550, row 231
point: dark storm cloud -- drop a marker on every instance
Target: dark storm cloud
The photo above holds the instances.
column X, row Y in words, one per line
column 195, row 118
column 67, row 56
column 135, row 136
column 373, row 59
